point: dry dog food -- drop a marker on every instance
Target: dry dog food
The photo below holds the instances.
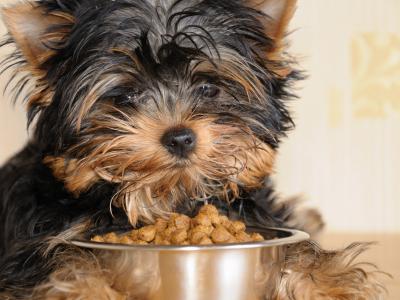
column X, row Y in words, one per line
column 208, row 227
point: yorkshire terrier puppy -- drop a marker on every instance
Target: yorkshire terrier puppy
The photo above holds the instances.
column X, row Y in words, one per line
column 139, row 108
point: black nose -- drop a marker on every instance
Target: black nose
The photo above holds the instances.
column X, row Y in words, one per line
column 179, row 141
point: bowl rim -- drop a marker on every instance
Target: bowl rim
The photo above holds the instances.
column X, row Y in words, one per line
column 295, row 236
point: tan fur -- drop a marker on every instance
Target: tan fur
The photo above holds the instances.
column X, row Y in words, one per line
column 152, row 180
column 28, row 25
column 79, row 278
column 311, row 273
column 75, row 180
column 75, row 232
column 42, row 97
column 102, row 275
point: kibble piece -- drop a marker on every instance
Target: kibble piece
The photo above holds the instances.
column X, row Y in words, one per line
column 205, row 241
column 201, row 228
column 111, row 238
column 134, row 234
column 201, row 219
column 236, row 226
column 220, row 235
column 215, row 219
column 98, row 239
column 168, row 232
column 243, row 237
column 126, row 240
column 171, row 221
column 158, row 239
column 165, row 243
column 212, row 212
column 224, row 221
column 209, row 209
column 177, row 219
column 179, row 236
column 197, row 236
column 147, row 233
column 181, row 222
column 161, row 225
column 256, row 237
column 140, row 242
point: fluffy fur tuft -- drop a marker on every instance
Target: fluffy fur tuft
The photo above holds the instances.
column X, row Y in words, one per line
column 311, row 273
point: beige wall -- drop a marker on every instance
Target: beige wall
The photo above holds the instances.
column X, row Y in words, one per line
column 12, row 119
column 343, row 156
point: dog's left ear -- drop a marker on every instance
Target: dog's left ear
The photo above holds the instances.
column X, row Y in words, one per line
column 279, row 13
column 33, row 29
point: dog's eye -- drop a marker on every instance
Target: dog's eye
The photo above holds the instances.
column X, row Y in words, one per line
column 128, row 98
column 209, row 91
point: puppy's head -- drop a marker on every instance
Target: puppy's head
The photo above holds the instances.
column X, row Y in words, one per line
column 168, row 100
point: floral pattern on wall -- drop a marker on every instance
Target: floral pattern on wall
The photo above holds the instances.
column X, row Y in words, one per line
column 375, row 74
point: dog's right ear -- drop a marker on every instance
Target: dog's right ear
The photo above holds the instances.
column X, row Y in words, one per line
column 33, row 29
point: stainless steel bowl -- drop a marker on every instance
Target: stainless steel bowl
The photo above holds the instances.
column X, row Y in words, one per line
column 245, row 271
